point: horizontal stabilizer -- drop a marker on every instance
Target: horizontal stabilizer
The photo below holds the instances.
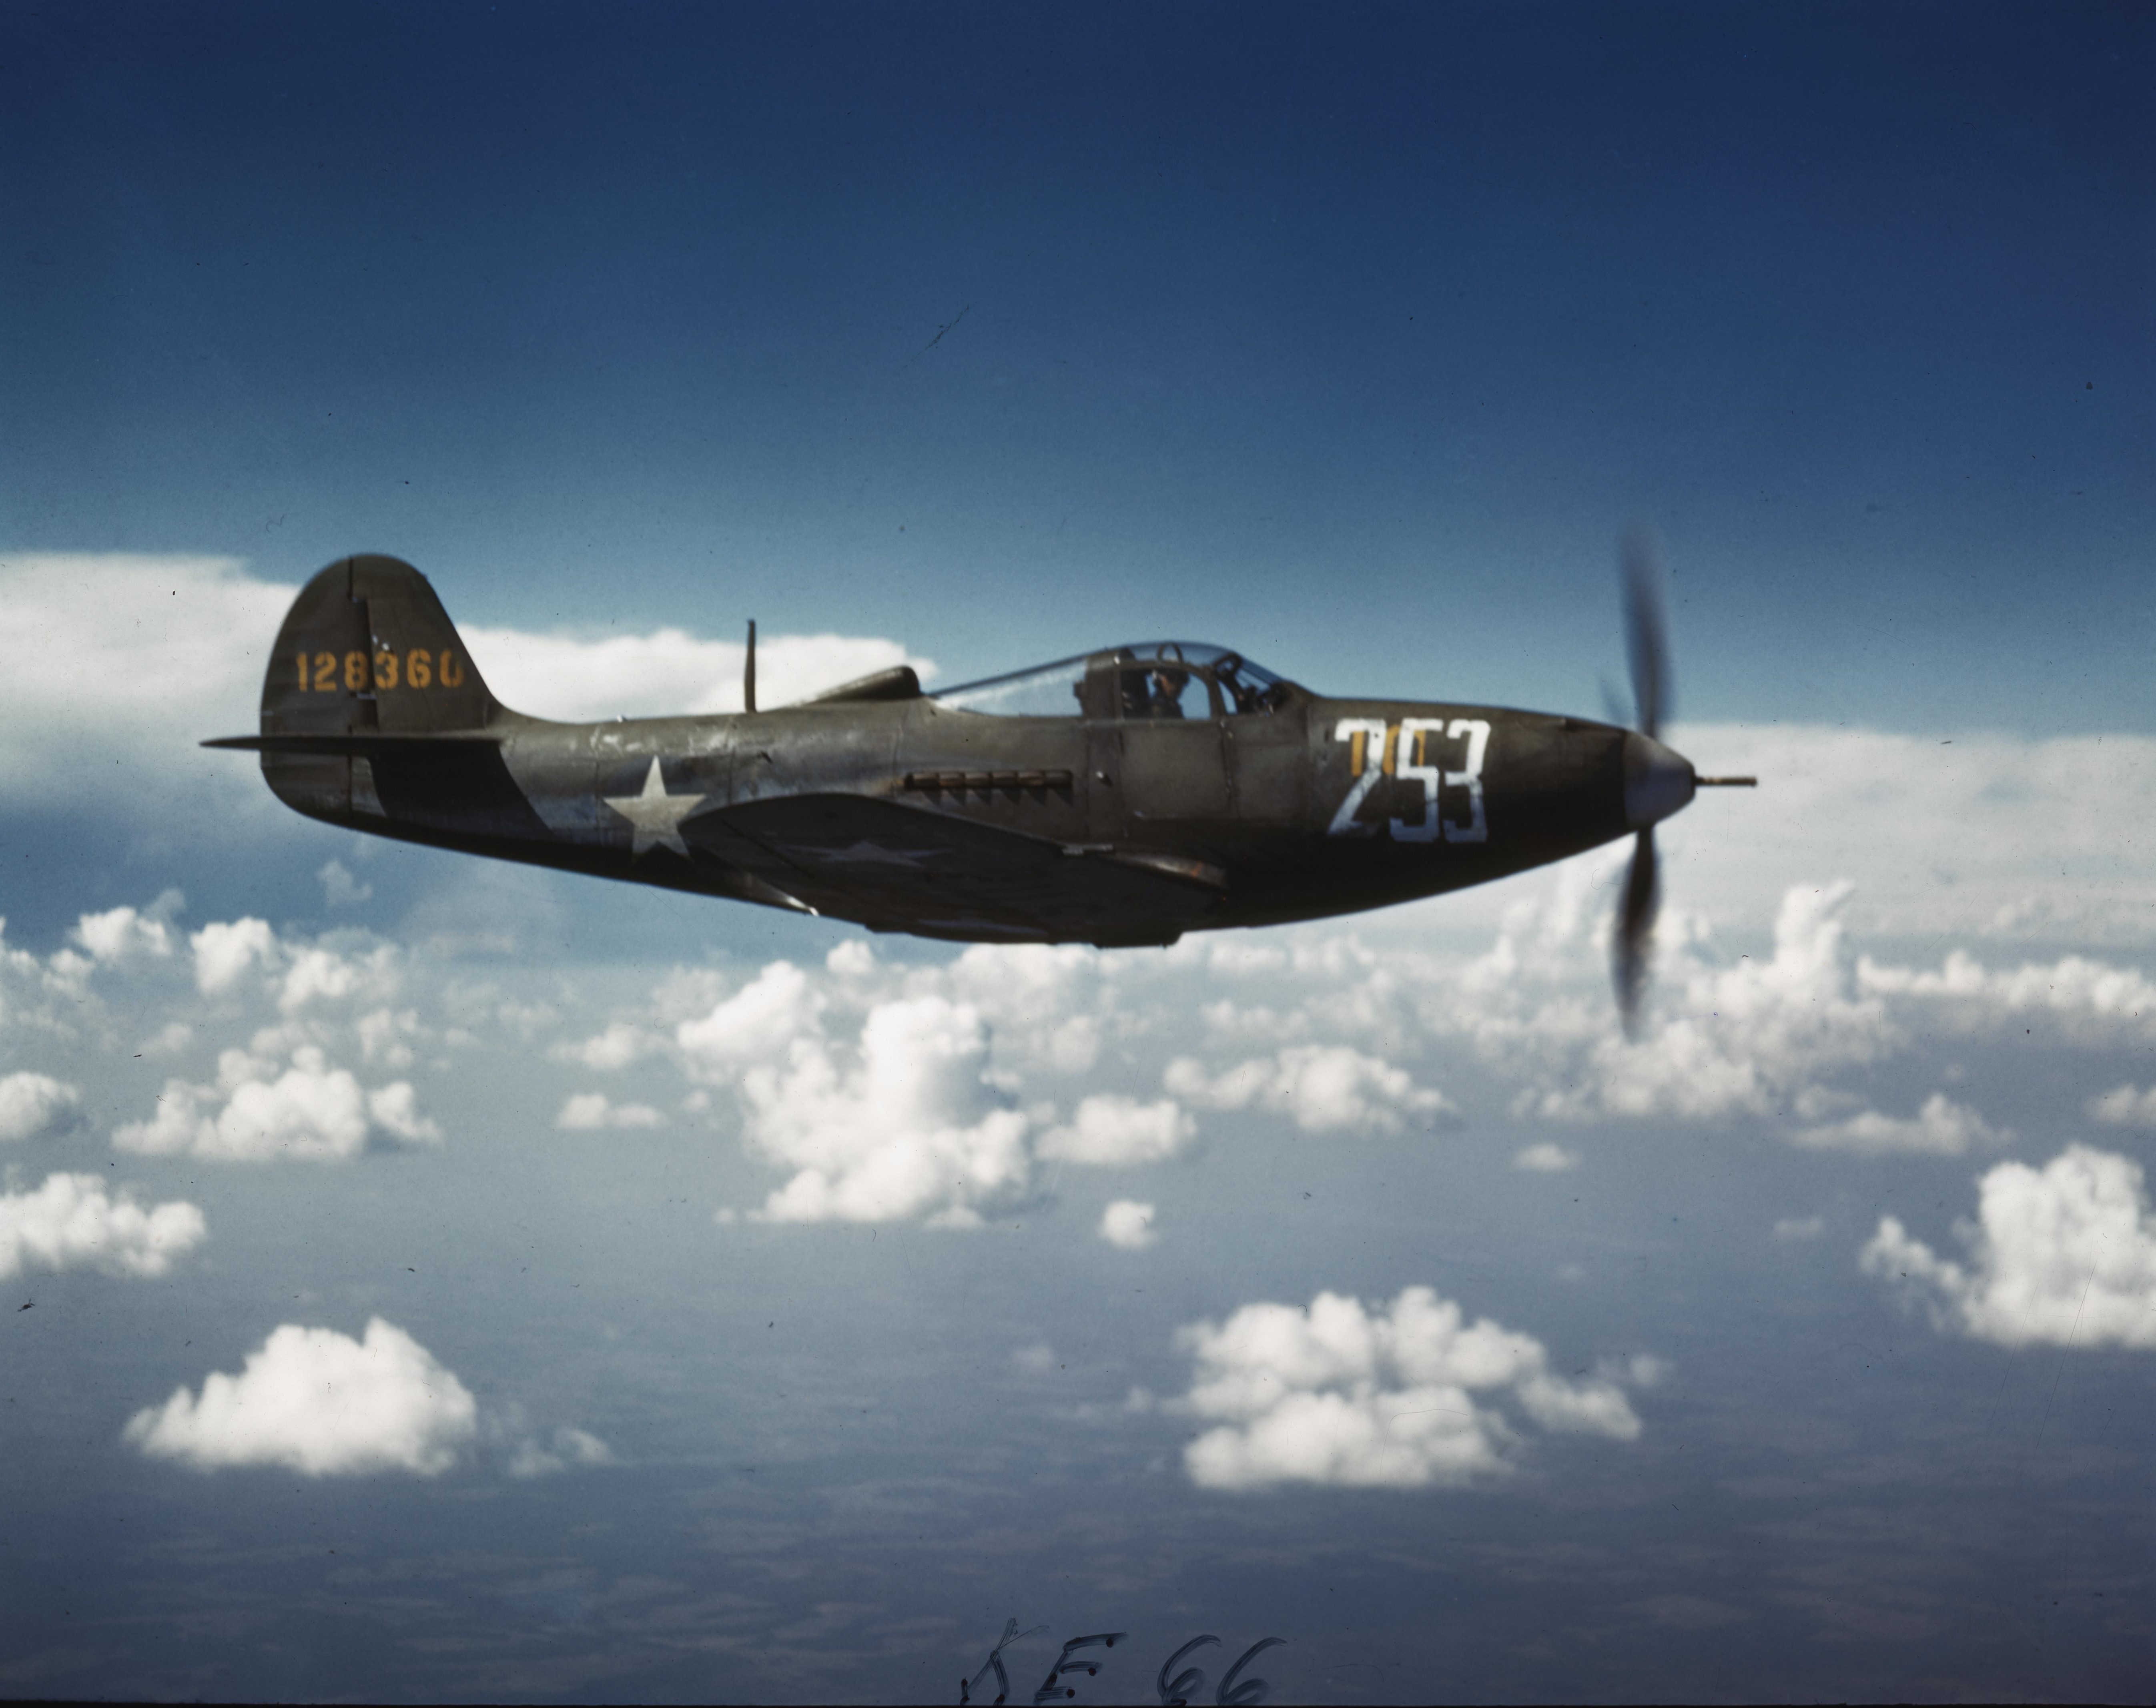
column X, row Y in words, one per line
column 371, row 745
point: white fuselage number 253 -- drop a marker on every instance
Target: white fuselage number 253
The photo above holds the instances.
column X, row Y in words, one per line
column 1376, row 749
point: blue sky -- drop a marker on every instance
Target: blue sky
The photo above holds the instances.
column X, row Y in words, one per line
column 616, row 318
column 1816, row 1324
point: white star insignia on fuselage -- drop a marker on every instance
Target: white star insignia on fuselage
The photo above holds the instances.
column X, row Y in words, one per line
column 656, row 814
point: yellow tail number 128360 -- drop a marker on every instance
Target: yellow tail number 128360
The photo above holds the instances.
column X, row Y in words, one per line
column 325, row 672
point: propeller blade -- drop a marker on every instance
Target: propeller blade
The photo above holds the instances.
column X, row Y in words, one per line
column 1646, row 629
column 1634, row 939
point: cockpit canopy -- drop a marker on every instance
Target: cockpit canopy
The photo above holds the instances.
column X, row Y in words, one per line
column 1157, row 679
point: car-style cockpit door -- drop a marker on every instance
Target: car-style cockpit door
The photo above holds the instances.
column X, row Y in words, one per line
column 1156, row 723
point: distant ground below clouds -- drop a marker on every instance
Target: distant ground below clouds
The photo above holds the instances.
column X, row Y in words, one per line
column 458, row 1279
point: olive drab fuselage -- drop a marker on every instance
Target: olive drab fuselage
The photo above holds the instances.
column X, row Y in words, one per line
column 1181, row 788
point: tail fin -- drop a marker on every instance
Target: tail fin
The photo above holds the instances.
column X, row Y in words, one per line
column 366, row 651
column 367, row 647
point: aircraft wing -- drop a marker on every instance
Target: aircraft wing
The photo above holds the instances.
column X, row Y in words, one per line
column 904, row 867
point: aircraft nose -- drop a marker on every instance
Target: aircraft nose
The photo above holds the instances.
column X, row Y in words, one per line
column 1658, row 781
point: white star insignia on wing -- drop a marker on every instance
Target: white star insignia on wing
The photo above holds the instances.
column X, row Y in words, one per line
column 865, row 853
column 656, row 814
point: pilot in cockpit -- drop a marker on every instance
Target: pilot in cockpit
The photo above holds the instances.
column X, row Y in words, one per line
column 1155, row 691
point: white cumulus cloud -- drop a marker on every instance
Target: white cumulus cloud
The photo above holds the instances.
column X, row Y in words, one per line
column 594, row 1112
column 1758, row 1036
column 1324, row 1088
column 1742, row 1038
column 224, row 949
column 1545, row 1159
column 33, row 1105
column 1112, row 1131
column 1940, row 1128
column 2089, row 1001
column 340, row 889
column 567, row 1450
column 1993, row 835
column 2123, row 1105
column 321, row 1403
column 160, row 684
column 667, row 670
column 902, row 1125
column 310, row 1112
column 1051, row 1004
column 1402, row 1397
column 197, row 668
column 2061, row 1256
column 394, row 1111
column 122, row 934
column 322, row 974
column 71, row 1222
column 1128, row 1224
column 616, row 1048
column 760, row 1022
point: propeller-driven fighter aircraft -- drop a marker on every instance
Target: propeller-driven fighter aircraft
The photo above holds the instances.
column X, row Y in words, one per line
column 1120, row 797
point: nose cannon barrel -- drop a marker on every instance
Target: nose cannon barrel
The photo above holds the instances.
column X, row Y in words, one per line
column 1658, row 781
